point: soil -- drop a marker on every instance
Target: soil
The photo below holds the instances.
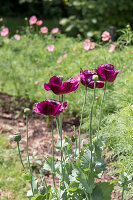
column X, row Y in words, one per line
column 12, row 120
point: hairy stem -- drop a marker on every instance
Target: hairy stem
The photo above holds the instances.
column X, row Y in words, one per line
column 81, row 118
column 52, row 150
column 90, row 135
column 100, row 114
column 28, row 152
column 122, row 196
column 21, row 158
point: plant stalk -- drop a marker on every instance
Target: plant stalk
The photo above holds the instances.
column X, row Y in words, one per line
column 52, row 151
column 122, row 196
column 21, row 158
column 100, row 114
column 28, row 152
column 90, row 135
column 81, row 118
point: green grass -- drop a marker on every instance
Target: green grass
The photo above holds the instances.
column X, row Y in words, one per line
column 118, row 134
column 12, row 185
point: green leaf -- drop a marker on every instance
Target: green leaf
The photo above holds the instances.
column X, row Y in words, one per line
column 48, row 164
column 38, row 197
column 102, row 191
column 35, row 184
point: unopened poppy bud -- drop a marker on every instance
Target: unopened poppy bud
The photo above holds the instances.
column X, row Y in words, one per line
column 42, row 190
column 17, row 137
column 95, row 77
column 73, row 138
column 26, row 111
column 25, row 18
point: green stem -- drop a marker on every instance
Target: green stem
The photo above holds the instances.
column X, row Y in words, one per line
column 99, row 121
column 60, row 121
column 52, row 150
column 28, row 152
column 81, row 118
column 122, row 196
column 21, row 158
column 91, row 123
column 90, row 135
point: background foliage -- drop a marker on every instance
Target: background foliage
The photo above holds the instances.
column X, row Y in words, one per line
column 87, row 17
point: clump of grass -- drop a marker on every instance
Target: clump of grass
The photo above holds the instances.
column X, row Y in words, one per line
column 118, row 134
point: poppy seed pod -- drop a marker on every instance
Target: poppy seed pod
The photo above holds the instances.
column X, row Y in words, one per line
column 17, row 137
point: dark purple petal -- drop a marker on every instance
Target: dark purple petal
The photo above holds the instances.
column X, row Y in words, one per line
column 55, row 84
column 56, row 89
column 63, row 106
column 55, row 80
column 86, row 77
column 70, row 85
column 99, row 84
column 106, row 66
column 46, row 86
column 50, row 107
column 106, row 72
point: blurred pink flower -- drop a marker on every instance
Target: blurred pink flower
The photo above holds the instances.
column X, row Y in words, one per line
column 50, row 47
column 44, row 29
column 77, row 76
column 59, row 60
column 39, row 23
column 105, row 36
column 75, row 49
column 4, row 32
column 36, row 82
column 65, row 55
column 89, row 45
column 55, row 30
column 32, row 20
column 17, row 37
column 112, row 48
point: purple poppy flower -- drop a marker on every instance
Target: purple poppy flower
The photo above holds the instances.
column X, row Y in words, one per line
column 50, row 107
column 55, row 84
column 106, row 72
column 86, row 78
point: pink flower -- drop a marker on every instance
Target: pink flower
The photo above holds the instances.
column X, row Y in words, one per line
column 39, row 23
column 105, row 36
column 32, row 20
column 4, row 32
column 36, row 82
column 89, row 45
column 17, row 37
column 50, row 47
column 44, row 29
column 55, row 30
column 75, row 49
column 112, row 48
column 65, row 55
column 59, row 60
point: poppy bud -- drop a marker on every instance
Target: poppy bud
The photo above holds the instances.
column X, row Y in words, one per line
column 42, row 190
column 17, row 137
column 26, row 111
column 73, row 138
